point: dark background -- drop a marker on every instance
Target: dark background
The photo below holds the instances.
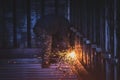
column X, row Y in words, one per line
column 97, row 20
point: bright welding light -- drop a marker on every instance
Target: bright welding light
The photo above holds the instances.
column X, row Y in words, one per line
column 72, row 55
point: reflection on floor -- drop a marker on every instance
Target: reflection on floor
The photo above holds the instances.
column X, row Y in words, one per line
column 30, row 69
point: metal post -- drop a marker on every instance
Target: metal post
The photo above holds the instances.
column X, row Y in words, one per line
column 107, row 68
column 115, row 38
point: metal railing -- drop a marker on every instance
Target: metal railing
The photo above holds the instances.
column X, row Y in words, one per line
column 96, row 61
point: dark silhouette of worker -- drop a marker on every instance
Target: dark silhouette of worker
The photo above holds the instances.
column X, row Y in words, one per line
column 52, row 35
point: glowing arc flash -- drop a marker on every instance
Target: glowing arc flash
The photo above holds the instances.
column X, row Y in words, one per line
column 72, row 55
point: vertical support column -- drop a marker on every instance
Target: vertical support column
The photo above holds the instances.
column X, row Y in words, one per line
column 3, row 24
column 115, row 38
column 14, row 25
column 107, row 67
column 118, row 36
column 28, row 23
column 85, row 18
column 94, row 25
column 56, row 7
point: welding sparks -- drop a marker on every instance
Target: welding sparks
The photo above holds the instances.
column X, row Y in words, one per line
column 72, row 55
column 71, row 58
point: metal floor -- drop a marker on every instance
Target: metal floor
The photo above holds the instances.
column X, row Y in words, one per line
column 30, row 69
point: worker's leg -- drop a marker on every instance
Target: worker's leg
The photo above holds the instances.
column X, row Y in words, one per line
column 47, row 51
column 44, row 43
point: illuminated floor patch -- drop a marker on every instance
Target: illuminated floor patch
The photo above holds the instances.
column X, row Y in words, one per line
column 31, row 70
